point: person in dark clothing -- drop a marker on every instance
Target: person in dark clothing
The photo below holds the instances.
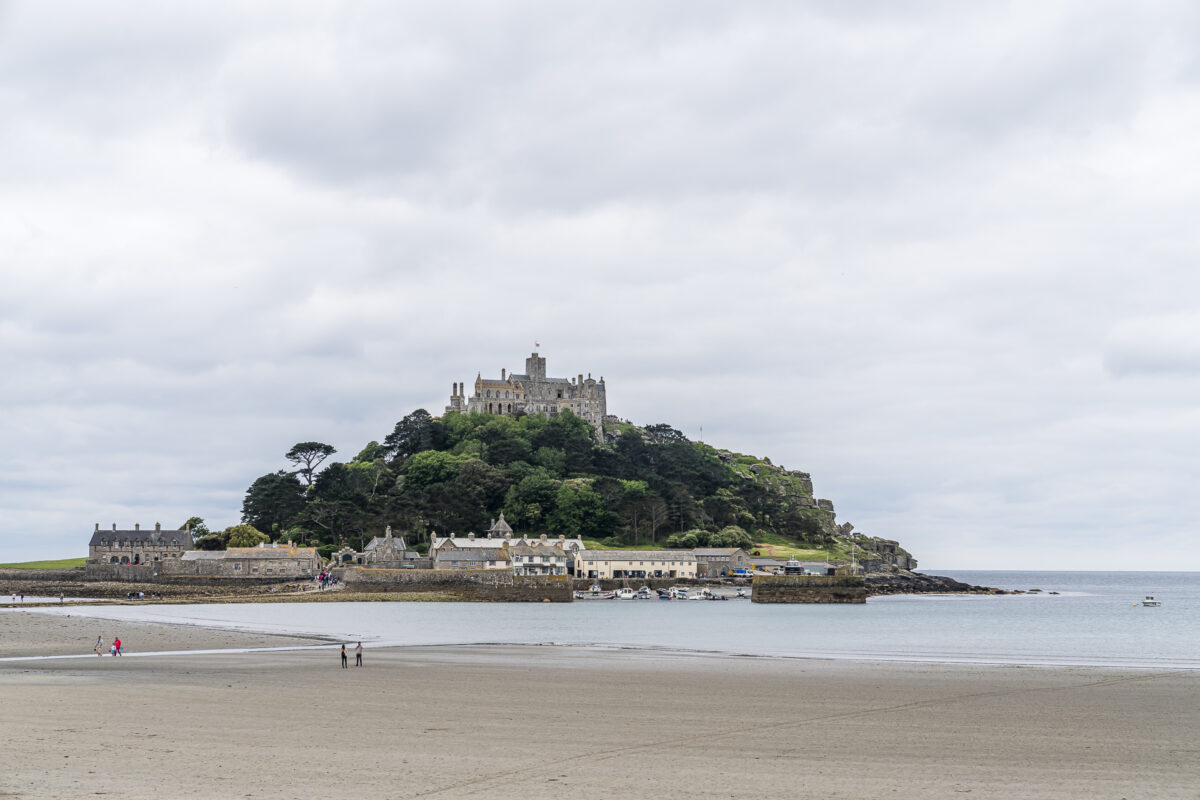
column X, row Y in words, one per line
column 344, row 664
column 358, row 655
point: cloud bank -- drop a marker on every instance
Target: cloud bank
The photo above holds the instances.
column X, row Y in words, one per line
column 942, row 256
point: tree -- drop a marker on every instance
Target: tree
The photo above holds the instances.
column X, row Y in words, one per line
column 196, row 526
column 310, row 454
column 273, row 501
column 245, row 536
column 656, row 516
column 414, row 434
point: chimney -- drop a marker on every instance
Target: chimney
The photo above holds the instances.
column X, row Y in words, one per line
column 502, row 373
column 158, row 526
column 97, row 527
column 137, row 526
column 471, row 535
column 114, row 527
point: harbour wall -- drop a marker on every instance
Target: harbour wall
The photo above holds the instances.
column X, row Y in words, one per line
column 479, row 585
column 808, row 589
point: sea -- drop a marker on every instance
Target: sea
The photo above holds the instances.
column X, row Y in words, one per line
column 1074, row 619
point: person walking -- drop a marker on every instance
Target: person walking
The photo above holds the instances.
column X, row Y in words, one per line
column 358, row 655
column 344, row 664
column 117, row 645
column 99, row 644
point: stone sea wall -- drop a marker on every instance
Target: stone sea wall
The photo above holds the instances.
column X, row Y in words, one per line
column 480, row 585
column 808, row 589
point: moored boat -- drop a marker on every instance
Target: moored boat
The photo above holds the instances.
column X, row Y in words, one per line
column 1150, row 602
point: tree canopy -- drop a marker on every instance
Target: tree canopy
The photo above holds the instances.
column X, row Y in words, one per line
column 645, row 486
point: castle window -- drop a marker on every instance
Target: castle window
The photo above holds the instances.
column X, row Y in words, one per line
column 103, row 543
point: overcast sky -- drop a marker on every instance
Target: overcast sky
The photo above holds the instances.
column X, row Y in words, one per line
column 943, row 256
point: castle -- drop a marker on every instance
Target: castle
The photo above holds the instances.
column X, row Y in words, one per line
column 533, row 393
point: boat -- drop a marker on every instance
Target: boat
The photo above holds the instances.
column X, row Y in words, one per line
column 678, row 593
column 594, row 593
column 645, row 593
column 1150, row 602
column 625, row 594
column 742, row 593
column 793, row 567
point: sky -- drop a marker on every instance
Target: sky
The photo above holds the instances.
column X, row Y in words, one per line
column 943, row 256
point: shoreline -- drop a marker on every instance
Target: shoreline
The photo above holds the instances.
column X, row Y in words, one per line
column 179, row 636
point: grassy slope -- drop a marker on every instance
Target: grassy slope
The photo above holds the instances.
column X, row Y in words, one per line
column 62, row 563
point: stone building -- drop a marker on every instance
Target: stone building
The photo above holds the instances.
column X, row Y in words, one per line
column 527, row 560
column 717, row 562
column 635, row 564
column 273, row 560
column 475, row 558
column 532, row 392
column 382, row 552
column 137, row 546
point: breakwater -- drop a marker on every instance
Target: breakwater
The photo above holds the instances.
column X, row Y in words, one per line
column 808, row 589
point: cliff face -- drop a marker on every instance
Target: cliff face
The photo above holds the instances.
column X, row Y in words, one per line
column 792, row 491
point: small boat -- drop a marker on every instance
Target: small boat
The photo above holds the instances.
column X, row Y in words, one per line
column 742, row 593
column 678, row 593
column 626, row 594
column 644, row 593
column 793, row 567
column 1150, row 602
column 594, row 593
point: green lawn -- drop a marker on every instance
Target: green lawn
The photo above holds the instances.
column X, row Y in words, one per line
column 62, row 563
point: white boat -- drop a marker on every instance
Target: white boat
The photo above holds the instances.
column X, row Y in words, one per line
column 678, row 593
column 1150, row 602
column 645, row 593
column 593, row 593
column 626, row 594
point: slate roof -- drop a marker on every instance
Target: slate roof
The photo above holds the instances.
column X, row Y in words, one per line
column 479, row 554
column 526, row 550
column 203, row 555
column 371, row 545
column 637, row 555
column 146, row 538
column 716, row 551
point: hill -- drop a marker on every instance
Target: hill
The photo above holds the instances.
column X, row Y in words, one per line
column 637, row 487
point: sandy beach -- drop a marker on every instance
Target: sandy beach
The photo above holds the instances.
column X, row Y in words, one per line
column 541, row 722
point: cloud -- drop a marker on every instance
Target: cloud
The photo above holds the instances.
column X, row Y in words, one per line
column 1166, row 344
column 940, row 256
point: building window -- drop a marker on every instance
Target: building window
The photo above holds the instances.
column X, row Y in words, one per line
column 237, row 567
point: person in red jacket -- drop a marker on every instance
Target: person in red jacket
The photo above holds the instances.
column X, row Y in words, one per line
column 117, row 644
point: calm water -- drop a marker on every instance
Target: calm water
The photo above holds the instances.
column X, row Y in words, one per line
column 1093, row 621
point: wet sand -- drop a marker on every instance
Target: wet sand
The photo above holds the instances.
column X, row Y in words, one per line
column 551, row 722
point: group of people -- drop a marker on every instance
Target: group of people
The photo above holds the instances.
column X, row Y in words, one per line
column 326, row 578
column 357, row 656
column 113, row 650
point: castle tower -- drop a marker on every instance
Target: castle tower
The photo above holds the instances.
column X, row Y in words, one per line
column 535, row 368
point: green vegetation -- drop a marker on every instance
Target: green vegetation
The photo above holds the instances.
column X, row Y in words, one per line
column 642, row 488
column 62, row 563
